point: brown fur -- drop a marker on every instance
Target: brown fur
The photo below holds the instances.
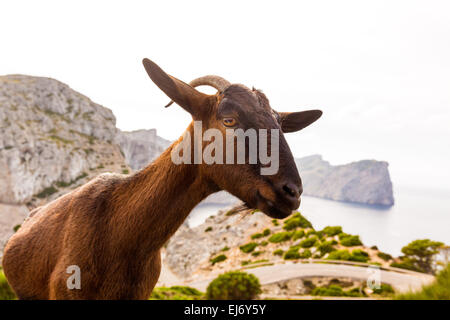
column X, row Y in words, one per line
column 114, row 226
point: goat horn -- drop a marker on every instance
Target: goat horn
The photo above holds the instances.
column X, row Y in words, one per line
column 216, row 82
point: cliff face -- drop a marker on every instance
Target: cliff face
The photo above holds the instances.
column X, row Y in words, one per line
column 50, row 133
column 365, row 181
column 52, row 139
column 141, row 147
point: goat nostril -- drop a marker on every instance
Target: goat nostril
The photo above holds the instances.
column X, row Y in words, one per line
column 291, row 190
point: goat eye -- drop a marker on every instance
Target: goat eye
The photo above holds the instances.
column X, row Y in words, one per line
column 229, row 122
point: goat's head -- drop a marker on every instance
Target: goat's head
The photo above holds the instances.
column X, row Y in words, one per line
column 238, row 107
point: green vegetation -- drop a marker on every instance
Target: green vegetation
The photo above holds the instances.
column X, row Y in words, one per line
column 265, row 233
column 218, row 259
column 208, row 229
column 245, row 263
column 438, row 290
column 332, row 231
column 278, row 252
column 125, row 171
column 6, row 293
column 298, row 234
column 357, row 255
column 385, row 290
column 327, row 247
column 275, row 222
column 308, row 242
column 280, row 237
column 60, row 139
column 256, row 253
column 384, row 256
column 264, row 243
column 418, row 255
column 225, row 249
column 176, row 293
column 350, row 240
column 249, row 247
column 47, row 192
column 63, row 184
column 16, row 227
column 335, row 290
column 297, row 220
column 234, row 285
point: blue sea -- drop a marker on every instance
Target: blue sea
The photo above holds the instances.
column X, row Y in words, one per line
column 417, row 214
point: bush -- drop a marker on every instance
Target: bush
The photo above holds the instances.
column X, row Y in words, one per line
column 308, row 243
column 351, row 241
column 339, row 255
column 47, row 192
column 384, row 256
column 359, row 255
column 280, row 237
column 208, row 229
column 332, row 231
column 326, row 247
column 249, row 247
column 305, row 254
column 275, row 222
column 256, row 235
column 292, row 253
column 438, row 290
column 266, row 232
column 278, row 252
column 297, row 220
column 6, row 293
column 256, row 253
column 419, row 253
column 176, row 293
column 264, row 243
column 384, row 290
column 218, row 259
column 298, row 234
column 234, row 285
column 334, row 290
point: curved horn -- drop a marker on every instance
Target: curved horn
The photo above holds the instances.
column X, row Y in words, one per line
column 216, row 82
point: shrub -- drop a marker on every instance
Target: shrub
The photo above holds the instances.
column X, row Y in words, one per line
column 326, row 247
column 384, row 256
column 339, row 255
column 278, row 252
column 359, row 256
column 6, row 293
column 275, row 222
column 176, row 293
column 249, row 247
column 332, row 231
column 298, row 234
column 218, row 259
column 334, row 290
column 420, row 253
column 438, row 290
column 384, row 290
column 266, row 232
column 225, row 249
column 305, row 254
column 308, row 242
column 125, row 171
column 297, row 220
column 292, row 253
column 256, row 235
column 47, row 192
column 16, row 227
column 264, row 243
column 233, row 285
column 280, row 237
column 256, row 253
column 208, row 229
column 351, row 241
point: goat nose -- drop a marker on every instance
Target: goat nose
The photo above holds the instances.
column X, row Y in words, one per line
column 293, row 190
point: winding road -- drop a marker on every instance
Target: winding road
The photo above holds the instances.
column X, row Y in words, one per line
column 401, row 281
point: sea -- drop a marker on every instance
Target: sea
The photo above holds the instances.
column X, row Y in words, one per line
column 416, row 214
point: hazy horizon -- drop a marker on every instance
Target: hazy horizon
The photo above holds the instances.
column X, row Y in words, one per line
column 379, row 70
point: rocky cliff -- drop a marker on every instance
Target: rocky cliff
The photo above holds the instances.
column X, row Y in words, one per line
column 366, row 181
column 141, row 147
column 52, row 139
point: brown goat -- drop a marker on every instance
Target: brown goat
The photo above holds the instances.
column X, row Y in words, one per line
column 114, row 226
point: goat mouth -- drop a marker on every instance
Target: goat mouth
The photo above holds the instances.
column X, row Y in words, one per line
column 279, row 210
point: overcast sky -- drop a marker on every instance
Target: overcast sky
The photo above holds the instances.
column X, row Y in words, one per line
column 380, row 70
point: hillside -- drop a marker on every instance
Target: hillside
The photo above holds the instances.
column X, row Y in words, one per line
column 52, row 139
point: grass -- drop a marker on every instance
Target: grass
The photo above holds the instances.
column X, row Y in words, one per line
column 47, row 192
column 438, row 290
column 176, row 293
column 6, row 292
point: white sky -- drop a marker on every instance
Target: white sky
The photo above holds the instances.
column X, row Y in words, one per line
column 380, row 70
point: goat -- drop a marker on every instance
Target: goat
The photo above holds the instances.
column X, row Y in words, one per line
column 114, row 226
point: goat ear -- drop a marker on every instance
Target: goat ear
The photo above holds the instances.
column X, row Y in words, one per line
column 296, row 121
column 181, row 93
